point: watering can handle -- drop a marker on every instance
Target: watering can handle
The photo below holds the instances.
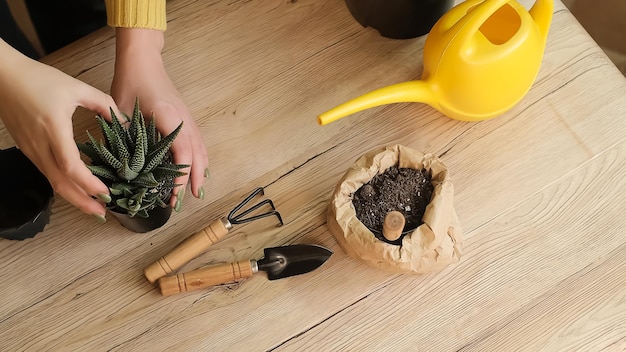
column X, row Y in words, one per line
column 541, row 12
column 469, row 24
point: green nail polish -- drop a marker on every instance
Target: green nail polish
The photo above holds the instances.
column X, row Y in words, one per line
column 207, row 174
column 104, row 197
column 100, row 218
column 201, row 192
column 179, row 200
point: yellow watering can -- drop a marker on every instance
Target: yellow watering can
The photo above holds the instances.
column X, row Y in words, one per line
column 480, row 59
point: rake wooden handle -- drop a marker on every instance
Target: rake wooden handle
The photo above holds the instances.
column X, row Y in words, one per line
column 205, row 277
column 188, row 249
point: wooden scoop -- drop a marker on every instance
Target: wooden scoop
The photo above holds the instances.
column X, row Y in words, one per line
column 393, row 225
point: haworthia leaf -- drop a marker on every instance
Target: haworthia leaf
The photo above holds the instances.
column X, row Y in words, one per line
column 162, row 173
column 128, row 193
column 152, row 135
column 139, row 155
column 119, row 136
column 102, row 171
column 162, row 147
column 130, row 204
column 122, row 203
column 127, row 135
column 114, row 142
column 146, row 179
column 160, row 202
column 90, row 151
column 118, row 129
column 126, row 173
column 120, row 188
column 134, row 203
column 147, row 204
column 104, row 154
column 136, row 111
column 137, row 125
column 108, row 158
column 142, row 192
column 173, row 166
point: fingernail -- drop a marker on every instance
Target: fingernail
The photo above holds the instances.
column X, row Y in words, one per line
column 207, row 174
column 179, row 200
column 100, row 218
column 104, row 197
column 201, row 192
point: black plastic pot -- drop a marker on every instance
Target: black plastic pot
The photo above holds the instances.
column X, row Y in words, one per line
column 157, row 217
column 399, row 19
column 26, row 198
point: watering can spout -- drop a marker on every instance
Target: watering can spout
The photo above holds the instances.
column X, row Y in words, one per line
column 412, row 91
column 541, row 12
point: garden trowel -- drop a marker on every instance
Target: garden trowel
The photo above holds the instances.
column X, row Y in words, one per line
column 278, row 263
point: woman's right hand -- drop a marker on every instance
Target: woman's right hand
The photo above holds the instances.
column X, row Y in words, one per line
column 36, row 105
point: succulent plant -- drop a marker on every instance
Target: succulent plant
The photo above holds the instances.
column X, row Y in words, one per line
column 134, row 161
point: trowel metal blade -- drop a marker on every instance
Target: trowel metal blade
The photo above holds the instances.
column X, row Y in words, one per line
column 296, row 259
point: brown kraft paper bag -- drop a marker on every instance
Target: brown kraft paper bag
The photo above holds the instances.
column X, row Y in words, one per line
column 430, row 247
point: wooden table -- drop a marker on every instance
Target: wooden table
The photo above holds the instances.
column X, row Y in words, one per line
column 540, row 192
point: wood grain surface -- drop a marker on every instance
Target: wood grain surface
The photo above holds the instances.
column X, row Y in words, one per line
column 540, row 192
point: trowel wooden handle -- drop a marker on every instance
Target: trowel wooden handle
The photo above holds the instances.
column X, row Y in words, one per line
column 393, row 225
column 210, row 276
column 188, row 249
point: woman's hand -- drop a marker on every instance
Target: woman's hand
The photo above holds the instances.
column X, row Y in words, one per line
column 139, row 72
column 37, row 104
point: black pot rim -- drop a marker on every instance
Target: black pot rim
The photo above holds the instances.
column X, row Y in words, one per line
column 157, row 217
column 399, row 19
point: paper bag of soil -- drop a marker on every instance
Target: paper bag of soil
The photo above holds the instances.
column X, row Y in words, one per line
column 430, row 247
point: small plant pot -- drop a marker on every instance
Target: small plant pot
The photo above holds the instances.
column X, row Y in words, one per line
column 157, row 218
column 430, row 247
column 27, row 198
column 399, row 19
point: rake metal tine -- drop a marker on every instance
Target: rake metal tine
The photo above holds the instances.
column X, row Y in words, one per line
column 260, row 216
column 253, row 208
column 245, row 201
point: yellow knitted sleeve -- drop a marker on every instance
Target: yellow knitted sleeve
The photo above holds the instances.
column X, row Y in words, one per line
column 136, row 14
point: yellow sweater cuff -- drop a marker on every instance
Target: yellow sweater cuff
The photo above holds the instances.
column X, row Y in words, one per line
column 148, row 14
